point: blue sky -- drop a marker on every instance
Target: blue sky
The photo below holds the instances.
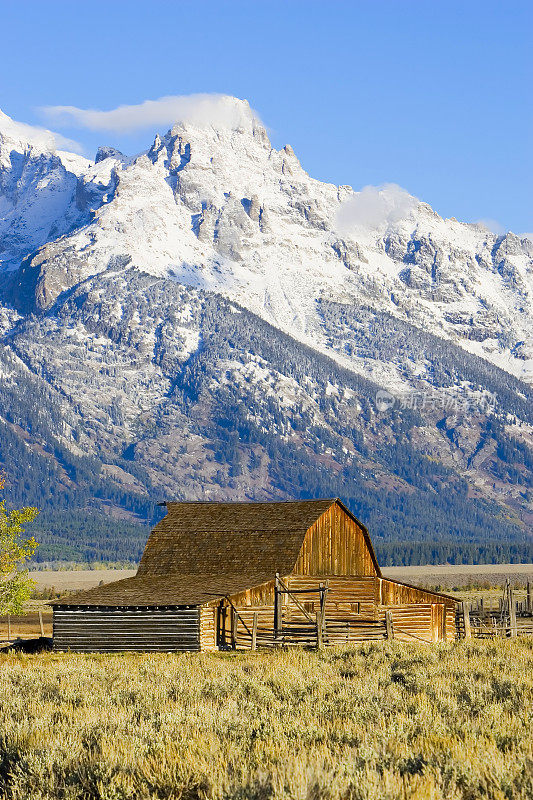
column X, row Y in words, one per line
column 434, row 96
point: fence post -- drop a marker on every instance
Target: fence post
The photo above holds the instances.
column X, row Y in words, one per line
column 466, row 619
column 323, row 596
column 319, row 637
column 277, row 610
column 529, row 599
column 254, row 631
column 234, row 621
column 8, row 628
column 389, row 625
column 506, row 595
column 41, row 622
column 512, row 614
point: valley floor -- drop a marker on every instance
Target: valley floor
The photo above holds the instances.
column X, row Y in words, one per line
column 377, row 722
column 443, row 574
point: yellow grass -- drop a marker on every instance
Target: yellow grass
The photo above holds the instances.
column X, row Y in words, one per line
column 376, row 722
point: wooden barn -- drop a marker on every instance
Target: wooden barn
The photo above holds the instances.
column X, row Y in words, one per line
column 245, row 575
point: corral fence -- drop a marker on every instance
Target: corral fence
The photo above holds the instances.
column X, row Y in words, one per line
column 302, row 616
column 509, row 615
column 311, row 615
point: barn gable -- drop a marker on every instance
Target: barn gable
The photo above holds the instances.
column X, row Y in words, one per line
column 229, row 538
column 337, row 544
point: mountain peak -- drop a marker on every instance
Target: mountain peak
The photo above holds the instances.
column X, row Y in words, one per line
column 220, row 115
column 22, row 135
column 213, row 205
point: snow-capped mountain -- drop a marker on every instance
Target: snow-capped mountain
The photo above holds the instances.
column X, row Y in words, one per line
column 160, row 309
column 220, row 209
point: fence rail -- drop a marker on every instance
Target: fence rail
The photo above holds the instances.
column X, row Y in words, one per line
column 505, row 616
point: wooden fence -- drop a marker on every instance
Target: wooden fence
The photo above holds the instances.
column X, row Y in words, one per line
column 510, row 615
column 36, row 624
column 305, row 613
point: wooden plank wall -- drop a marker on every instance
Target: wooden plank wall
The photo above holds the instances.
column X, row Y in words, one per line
column 335, row 545
column 208, row 632
column 413, row 622
column 398, row 594
column 393, row 593
column 86, row 630
column 341, row 592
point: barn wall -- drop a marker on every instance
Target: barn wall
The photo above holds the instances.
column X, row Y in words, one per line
column 420, row 621
column 394, row 593
column 342, row 592
column 335, row 545
column 208, row 619
column 109, row 630
column 257, row 596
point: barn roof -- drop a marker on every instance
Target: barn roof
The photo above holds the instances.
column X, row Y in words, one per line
column 182, row 590
column 202, row 551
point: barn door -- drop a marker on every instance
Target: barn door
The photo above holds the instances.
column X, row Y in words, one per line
column 222, row 621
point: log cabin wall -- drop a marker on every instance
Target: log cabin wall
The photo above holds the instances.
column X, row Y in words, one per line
column 112, row 630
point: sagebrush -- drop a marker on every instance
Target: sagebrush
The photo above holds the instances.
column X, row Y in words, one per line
column 380, row 721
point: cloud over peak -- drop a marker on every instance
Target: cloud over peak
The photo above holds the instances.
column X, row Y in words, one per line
column 201, row 110
column 40, row 137
column 374, row 206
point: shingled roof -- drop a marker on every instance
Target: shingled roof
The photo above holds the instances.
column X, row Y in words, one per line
column 203, row 551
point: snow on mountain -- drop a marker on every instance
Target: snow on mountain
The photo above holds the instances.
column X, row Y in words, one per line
column 38, row 188
column 218, row 208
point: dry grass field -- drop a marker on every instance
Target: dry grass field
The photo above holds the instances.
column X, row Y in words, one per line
column 381, row 721
column 64, row 580
column 445, row 575
column 462, row 575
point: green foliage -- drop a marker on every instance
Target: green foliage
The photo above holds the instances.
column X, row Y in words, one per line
column 453, row 551
column 15, row 550
column 378, row 722
column 87, row 536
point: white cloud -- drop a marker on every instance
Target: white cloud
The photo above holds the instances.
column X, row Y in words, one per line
column 492, row 225
column 197, row 109
column 374, row 206
column 50, row 140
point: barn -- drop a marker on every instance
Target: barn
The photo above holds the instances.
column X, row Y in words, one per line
column 217, row 576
